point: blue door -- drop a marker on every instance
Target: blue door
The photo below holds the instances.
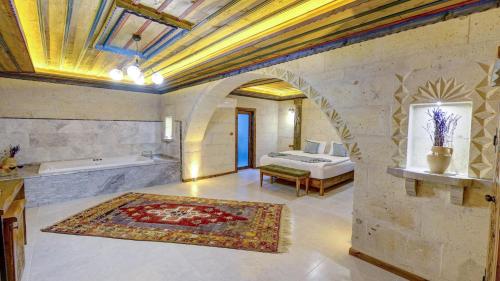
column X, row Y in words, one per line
column 244, row 144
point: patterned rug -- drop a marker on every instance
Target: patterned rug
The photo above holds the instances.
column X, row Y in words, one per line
column 252, row 226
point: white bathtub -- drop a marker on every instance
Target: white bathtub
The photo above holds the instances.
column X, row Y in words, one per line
column 92, row 164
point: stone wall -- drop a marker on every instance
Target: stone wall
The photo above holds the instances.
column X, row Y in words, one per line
column 62, row 122
column 218, row 146
column 30, row 99
column 285, row 125
column 55, row 139
column 316, row 126
column 357, row 87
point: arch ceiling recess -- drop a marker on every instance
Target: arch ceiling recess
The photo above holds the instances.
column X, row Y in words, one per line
column 193, row 41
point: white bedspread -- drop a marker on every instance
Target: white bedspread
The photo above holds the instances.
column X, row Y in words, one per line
column 322, row 170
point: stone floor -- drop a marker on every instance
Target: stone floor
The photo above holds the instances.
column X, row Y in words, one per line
column 321, row 231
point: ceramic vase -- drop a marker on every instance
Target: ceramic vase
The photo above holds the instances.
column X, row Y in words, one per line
column 439, row 159
column 9, row 162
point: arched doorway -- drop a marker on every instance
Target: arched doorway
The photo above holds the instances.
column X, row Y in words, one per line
column 214, row 93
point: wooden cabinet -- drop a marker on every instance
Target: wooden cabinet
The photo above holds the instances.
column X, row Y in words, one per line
column 13, row 230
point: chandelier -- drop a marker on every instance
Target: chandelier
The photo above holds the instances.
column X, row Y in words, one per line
column 133, row 70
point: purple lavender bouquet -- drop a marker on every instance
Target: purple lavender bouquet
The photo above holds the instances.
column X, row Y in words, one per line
column 13, row 150
column 441, row 127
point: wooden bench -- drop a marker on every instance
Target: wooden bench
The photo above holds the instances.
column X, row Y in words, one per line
column 285, row 173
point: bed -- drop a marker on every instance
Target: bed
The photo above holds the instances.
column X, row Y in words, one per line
column 323, row 174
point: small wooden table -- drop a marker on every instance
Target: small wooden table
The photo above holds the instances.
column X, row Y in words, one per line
column 286, row 173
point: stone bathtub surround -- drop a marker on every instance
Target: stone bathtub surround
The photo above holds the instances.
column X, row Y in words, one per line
column 47, row 189
column 44, row 140
column 356, row 88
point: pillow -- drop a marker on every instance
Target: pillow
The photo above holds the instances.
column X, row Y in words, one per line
column 338, row 150
column 322, row 145
column 311, row 147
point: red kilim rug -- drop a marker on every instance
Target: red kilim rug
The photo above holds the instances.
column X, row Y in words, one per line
column 252, row 226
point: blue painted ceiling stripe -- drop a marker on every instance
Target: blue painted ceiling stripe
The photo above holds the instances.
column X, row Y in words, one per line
column 106, row 27
column 69, row 14
column 118, row 50
column 96, row 21
column 41, row 23
column 168, row 43
column 159, row 40
column 113, row 29
column 97, row 18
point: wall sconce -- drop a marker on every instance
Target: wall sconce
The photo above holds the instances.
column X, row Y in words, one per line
column 291, row 116
column 168, row 127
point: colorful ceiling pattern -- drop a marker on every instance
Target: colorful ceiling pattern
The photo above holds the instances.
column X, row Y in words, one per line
column 273, row 89
column 196, row 40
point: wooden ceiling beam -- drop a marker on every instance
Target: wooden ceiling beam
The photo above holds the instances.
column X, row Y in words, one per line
column 153, row 14
column 12, row 41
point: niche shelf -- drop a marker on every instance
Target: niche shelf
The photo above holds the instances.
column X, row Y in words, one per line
column 457, row 183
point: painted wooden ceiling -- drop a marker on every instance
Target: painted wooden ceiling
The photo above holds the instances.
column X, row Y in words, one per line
column 273, row 89
column 196, row 40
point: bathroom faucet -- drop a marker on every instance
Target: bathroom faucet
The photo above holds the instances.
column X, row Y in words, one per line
column 147, row 153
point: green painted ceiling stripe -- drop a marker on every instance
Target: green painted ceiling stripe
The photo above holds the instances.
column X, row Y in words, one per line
column 69, row 14
column 42, row 11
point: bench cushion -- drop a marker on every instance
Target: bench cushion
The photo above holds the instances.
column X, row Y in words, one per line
column 285, row 170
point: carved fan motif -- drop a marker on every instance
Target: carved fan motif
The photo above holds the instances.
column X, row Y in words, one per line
column 443, row 90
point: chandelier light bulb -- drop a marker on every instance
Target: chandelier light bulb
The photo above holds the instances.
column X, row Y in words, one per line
column 157, row 78
column 133, row 71
column 116, row 74
column 139, row 80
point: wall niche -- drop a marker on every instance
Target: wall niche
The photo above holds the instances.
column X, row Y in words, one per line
column 420, row 143
column 412, row 142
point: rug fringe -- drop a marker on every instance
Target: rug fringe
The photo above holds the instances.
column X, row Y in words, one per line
column 285, row 230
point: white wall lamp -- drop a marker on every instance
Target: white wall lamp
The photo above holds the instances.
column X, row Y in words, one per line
column 134, row 71
column 168, row 129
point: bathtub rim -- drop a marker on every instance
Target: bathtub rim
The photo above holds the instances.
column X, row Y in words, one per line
column 31, row 170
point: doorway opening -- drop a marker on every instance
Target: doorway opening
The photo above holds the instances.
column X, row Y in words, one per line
column 245, row 138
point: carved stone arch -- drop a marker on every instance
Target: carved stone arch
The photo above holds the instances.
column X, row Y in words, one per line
column 208, row 99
